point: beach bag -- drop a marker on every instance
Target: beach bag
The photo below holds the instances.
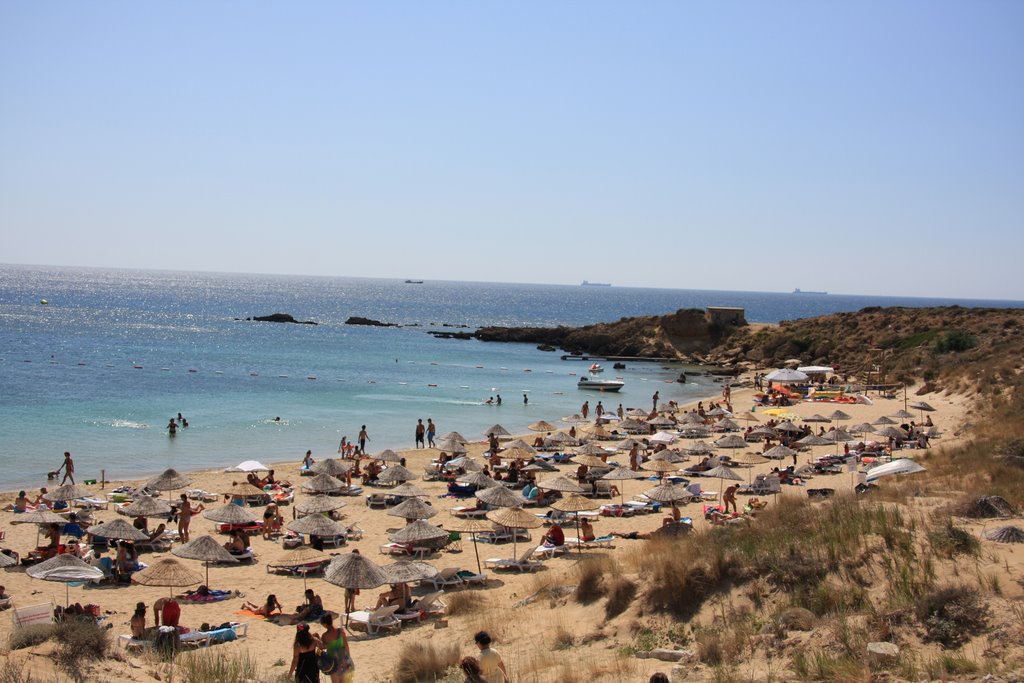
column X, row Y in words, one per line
column 327, row 663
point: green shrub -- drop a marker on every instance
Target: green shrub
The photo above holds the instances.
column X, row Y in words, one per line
column 955, row 341
column 952, row 614
column 205, row 666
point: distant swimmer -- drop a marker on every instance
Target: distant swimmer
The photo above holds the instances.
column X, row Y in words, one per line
column 489, row 401
column 172, row 427
column 526, row 400
column 499, row 400
column 277, row 419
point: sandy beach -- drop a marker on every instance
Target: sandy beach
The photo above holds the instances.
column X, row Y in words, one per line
column 521, row 634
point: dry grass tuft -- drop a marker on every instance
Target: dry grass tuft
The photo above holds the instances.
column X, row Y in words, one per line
column 424, row 661
column 466, row 602
column 951, row 615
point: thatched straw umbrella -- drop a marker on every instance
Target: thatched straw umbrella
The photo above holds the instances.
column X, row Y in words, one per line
column 146, row 506
column 514, row 518
column 167, row 572
column 404, row 571
column 230, row 514
column 413, row 508
column 470, row 526
column 499, row 496
column 303, row 560
column 542, row 426
column 575, row 504
column 332, row 467
column 387, row 455
column 323, row 483
column 408, row 490
column 118, row 530
column 312, row 505
column 206, row 549
column 316, row 525
column 395, row 474
column 67, row 492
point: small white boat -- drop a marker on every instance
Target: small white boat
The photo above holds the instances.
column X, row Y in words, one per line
column 596, row 368
column 600, row 384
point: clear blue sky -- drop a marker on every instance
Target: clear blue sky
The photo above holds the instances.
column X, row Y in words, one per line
column 859, row 147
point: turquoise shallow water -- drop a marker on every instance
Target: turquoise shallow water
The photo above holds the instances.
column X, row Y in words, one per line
column 100, row 369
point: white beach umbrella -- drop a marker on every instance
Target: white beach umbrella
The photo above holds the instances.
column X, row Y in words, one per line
column 786, row 376
column 249, row 466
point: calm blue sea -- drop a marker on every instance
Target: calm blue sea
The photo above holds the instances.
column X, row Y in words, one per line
column 115, row 353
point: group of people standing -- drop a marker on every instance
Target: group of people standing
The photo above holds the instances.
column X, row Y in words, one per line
column 425, row 433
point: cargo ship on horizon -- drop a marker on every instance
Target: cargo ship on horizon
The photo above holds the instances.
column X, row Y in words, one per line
column 588, row 283
column 807, row 291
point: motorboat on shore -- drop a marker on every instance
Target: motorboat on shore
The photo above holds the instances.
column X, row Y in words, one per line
column 600, row 384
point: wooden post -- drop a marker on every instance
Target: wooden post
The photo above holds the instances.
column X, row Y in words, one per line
column 103, row 479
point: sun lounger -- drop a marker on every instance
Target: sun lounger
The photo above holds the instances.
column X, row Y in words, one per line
column 468, row 512
column 396, row 549
column 548, row 551
column 93, row 503
column 375, row 620
column 503, row 535
column 599, row 542
column 220, row 635
column 428, row 605
column 449, row 576
column 523, row 563
column 469, row 577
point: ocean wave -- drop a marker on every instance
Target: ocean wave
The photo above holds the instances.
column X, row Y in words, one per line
column 118, row 423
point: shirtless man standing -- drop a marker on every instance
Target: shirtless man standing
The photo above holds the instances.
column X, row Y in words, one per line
column 69, row 468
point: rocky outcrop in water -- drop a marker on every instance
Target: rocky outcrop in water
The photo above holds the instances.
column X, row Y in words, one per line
column 280, row 318
column 356, row 320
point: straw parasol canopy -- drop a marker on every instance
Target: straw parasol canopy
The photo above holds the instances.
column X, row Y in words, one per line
column 921, row 405
column 691, row 419
column 477, row 479
column 230, row 514
column 323, row 483
column 170, row 480
column 542, row 426
column 699, row 448
column 419, row 531
column 39, row 516
column 574, row 419
column 622, row 474
column 67, row 492
column 499, row 496
column 761, row 431
column 631, row 424
column 668, row 493
column 559, row 484
column 597, row 432
column 817, row 418
column 863, row 427
column 779, row 452
column 788, row 426
column 516, row 453
column 717, row 411
column 413, row 508
column 317, row 504
column 206, row 549
column 731, row 441
column 660, row 466
column 589, row 461
column 353, row 570
column 7, row 561
column 395, row 474
column 661, row 421
column 146, row 506
column 514, row 518
column 167, row 572
column 727, row 424
column 304, row 559
column 463, row 462
column 387, row 455
column 405, row 571
column 814, row 440
column 497, row 430
column 559, row 439
column 590, row 449
column 539, row 466
column 840, row 416
column 884, row 421
column 722, row 472
column 408, row 490
column 316, row 525
column 331, row 466
column 903, row 414
column 118, row 529
column 574, row 503
column 627, row 444
column 519, row 443
column 65, row 568
column 891, row 432
column 748, row 417
column 455, row 436
column 451, row 446
column 838, row 435
column 244, row 489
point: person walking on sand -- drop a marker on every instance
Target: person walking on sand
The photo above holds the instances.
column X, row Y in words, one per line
column 363, row 438
column 431, row 431
column 336, row 644
column 599, row 409
column 491, row 665
column 620, row 412
column 654, row 400
column 69, row 468
column 585, row 409
column 185, row 512
column 420, row 431
column 729, row 498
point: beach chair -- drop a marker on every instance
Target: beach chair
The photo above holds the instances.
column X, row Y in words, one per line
column 599, row 542
column 424, row 607
column 127, row 642
column 602, row 489
column 449, row 576
column 375, row 620
column 33, row 614
column 396, row 549
column 470, row 577
column 376, row 500
column 523, row 563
